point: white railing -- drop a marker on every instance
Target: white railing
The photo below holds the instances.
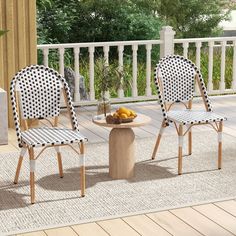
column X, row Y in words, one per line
column 134, row 45
column 167, row 45
column 211, row 45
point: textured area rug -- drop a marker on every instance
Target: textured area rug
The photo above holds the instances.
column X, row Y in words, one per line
column 155, row 186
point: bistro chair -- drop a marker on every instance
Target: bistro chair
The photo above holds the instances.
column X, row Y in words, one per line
column 35, row 94
column 175, row 77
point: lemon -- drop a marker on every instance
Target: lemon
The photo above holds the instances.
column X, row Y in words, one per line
column 115, row 115
column 123, row 116
column 123, row 110
column 132, row 113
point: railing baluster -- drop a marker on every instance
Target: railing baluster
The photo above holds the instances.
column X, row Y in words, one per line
column 234, row 67
column 121, row 69
column 135, row 62
column 148, row 70
column 61, row 61
column 45, row 56
column 106, row 62
column 106, row 54
column 198, row 54
column 185, row 46
column 210, row 66
column 222, row 67
column 77, row 75
column 91, row 73
column 198, row 62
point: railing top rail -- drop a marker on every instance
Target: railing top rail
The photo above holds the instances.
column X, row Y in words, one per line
column 213, row 39
column 129, row 43
column 99, row 44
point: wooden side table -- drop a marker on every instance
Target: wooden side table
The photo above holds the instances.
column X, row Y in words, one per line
column 121, row 145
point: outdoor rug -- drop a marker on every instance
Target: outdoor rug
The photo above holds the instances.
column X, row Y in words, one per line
column 156, row 185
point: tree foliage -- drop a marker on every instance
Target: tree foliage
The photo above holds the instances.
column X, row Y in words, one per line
column 113, row 20
column 193, row 18
column 95, row 20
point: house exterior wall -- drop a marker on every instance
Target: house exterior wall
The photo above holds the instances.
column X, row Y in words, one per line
column 18, row 47
column 229, row 27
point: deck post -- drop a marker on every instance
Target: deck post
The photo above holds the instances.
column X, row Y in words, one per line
column 167, row 36
column 18, row 47
column 3, row 117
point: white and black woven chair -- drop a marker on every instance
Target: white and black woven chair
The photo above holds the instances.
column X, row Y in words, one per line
column 175, row 77
column 35, row 94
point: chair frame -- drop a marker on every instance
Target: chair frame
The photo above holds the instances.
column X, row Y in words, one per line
column 30, row 149
column 217, row 125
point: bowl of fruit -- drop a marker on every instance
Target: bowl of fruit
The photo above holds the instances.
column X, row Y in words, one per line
column 122, row 115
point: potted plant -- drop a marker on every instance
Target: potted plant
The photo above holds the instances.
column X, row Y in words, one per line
column 105, row 79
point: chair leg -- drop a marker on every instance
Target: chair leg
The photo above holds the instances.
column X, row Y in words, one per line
column 22, row 153
column 18, row 170
column 220, row 145
column 158, row 140
column 59, row 161
column 180, row 152
column 190, row 142
column 82, row 170
column 32, row 176
column 60, row 165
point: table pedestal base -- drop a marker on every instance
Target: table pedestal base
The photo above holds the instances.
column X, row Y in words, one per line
column 121, row 153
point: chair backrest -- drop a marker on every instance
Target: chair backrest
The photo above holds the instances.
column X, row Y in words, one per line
column 39, row 89
column 175, row 78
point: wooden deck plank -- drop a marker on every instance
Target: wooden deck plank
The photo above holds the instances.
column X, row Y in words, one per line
column 141, row 133
column 68, row 231
column 92, row 136
column 229, row 206
column 89, row 229
column 219, row 216
column 12, row 145
column 200, row 222
column 38, row 233
column 117, row 227
column 100, row 131
column 97, row 130
column 155, row 115
column 173, row 224
column 178, row 222
column 153, row 131
column 8, row 148
column 145, row 226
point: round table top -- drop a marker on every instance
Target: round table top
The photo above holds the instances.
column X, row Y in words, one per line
column 140, row 120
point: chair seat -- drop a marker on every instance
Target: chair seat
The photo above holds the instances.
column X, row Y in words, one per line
column 46, row 136
column 193, row 116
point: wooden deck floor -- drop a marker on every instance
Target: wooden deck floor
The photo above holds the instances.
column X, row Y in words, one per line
column 216, row 219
